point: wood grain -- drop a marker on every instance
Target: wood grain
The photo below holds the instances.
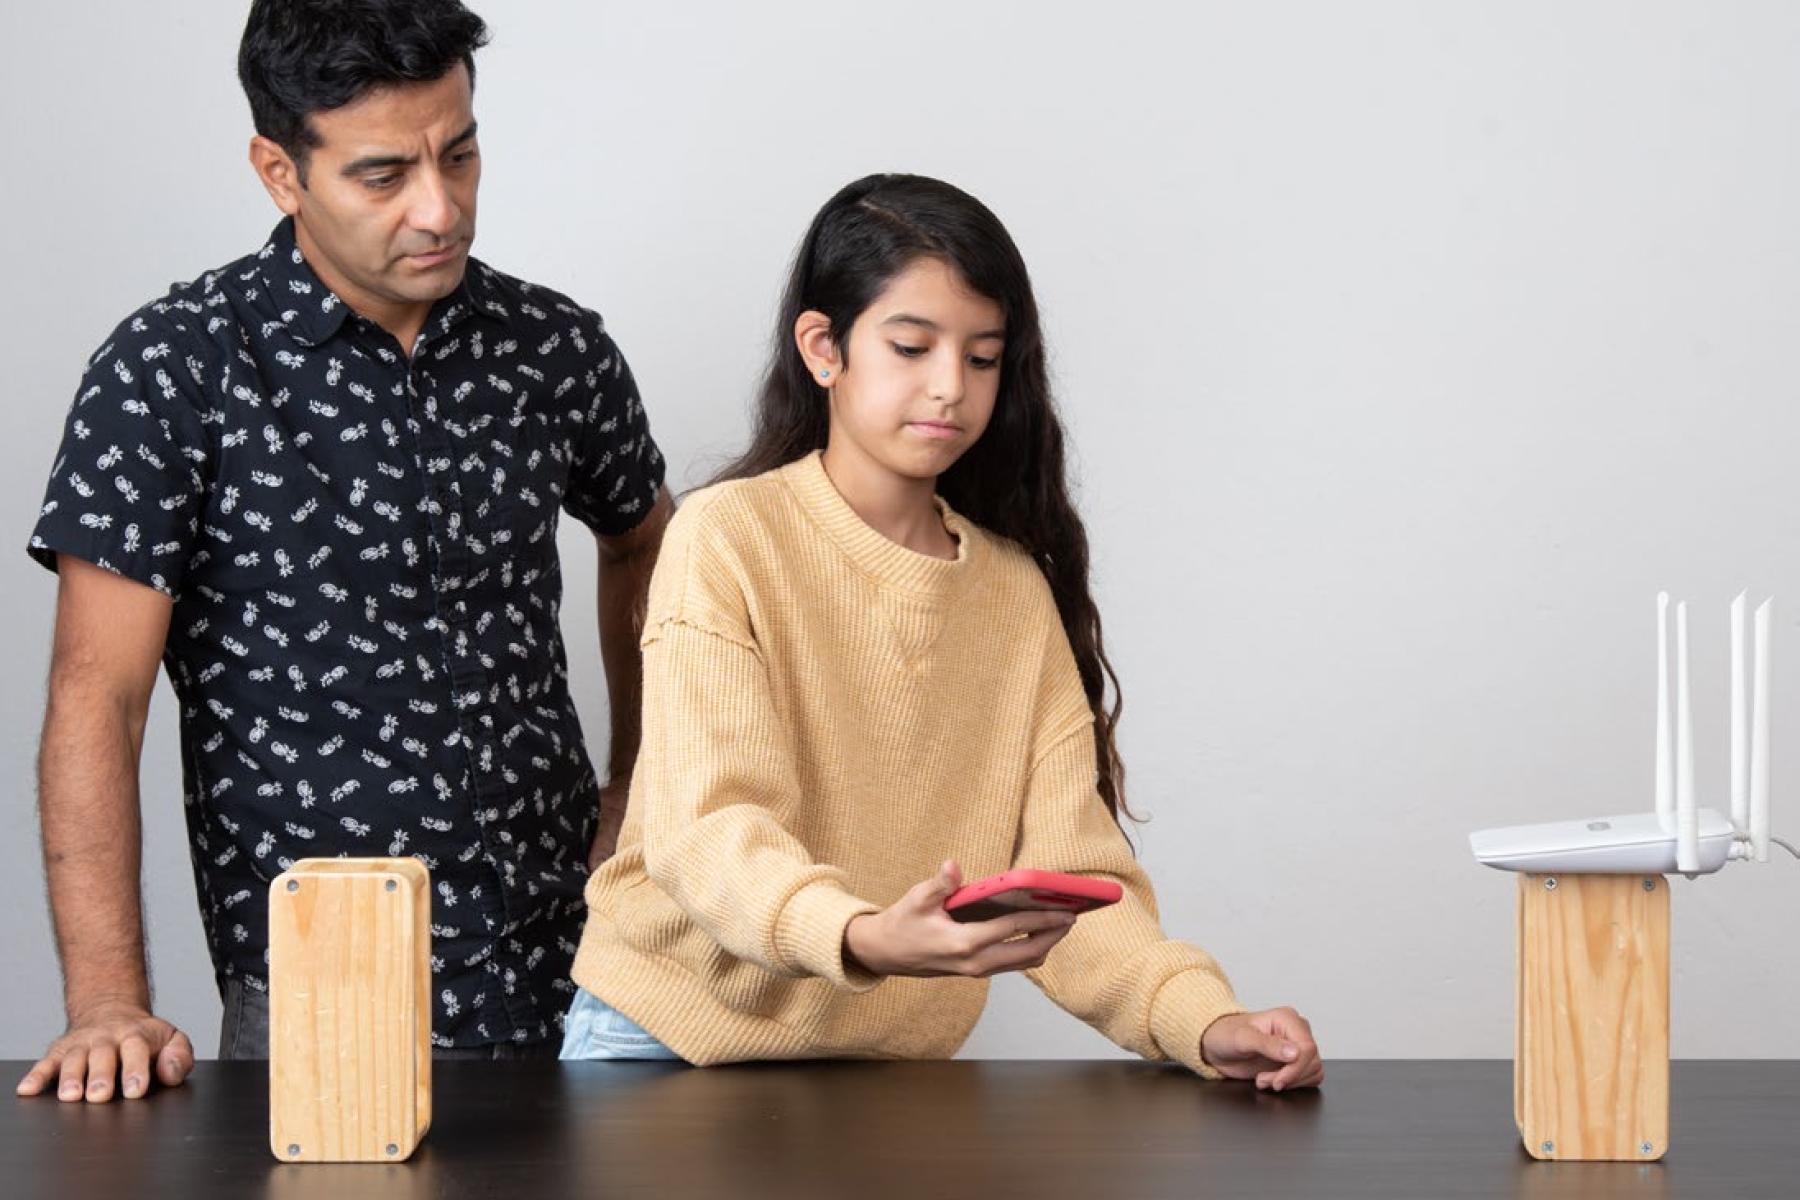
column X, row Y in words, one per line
column 349, row 1010
column 1591, row 1066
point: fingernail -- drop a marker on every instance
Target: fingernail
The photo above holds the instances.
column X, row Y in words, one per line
column 71, row 1090
column 134, row 1087
column 1289, row 1051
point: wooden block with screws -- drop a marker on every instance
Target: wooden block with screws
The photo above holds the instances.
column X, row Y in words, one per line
column 349, row 1010
column 1591, row 1049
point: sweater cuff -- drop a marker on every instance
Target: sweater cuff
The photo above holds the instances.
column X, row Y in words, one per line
column 809, row 936
column 1181, row 1011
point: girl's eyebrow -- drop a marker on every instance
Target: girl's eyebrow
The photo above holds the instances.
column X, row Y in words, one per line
column 932, row 326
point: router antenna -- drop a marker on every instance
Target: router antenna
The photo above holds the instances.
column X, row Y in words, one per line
column 1759, row 737
column 1665, row 772
column 1687, row 818
column 1740, row 748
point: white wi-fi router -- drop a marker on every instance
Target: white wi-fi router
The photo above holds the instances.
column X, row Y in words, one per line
column 1677, row 837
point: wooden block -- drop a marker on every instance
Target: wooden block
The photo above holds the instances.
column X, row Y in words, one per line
column 349, row 1010
column 1591, row 1059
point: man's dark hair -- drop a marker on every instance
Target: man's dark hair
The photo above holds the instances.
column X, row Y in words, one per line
column 305, row 56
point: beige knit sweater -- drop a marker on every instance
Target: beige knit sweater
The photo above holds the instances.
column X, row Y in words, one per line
column 827, row 717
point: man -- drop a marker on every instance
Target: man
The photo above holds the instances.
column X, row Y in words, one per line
column 321, row 484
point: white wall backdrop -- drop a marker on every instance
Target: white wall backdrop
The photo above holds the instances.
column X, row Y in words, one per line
column 1408, row 348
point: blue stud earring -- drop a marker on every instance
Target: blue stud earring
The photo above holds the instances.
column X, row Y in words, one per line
column 824, row 374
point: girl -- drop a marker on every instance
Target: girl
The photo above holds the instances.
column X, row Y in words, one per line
column 870, row 653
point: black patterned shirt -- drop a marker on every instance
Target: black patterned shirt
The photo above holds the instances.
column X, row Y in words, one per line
column 361, row 551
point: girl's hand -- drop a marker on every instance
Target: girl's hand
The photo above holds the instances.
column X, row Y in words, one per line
column 1275, row 1047
column 915, row 936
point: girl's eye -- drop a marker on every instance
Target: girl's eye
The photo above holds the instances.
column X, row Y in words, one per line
column 983, row 364
column 905, row 351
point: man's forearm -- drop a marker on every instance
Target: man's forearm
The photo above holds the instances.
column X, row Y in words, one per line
column 626, row 565
column 623, row 585
column 88, row 806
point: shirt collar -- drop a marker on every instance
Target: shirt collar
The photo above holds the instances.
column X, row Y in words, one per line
column 313, row 313
column 480, row 289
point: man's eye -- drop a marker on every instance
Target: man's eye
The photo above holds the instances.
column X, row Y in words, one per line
column 905, row 351
column 380, row 182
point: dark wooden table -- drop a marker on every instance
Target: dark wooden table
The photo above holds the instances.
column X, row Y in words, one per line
column 1095, row 1130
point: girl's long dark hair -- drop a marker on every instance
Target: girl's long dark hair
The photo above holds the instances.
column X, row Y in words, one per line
column 1013, row 480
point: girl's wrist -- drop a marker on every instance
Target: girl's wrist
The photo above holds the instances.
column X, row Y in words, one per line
column 856, row 944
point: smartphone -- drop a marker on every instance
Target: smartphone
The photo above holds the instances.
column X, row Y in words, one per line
column 1024, row 888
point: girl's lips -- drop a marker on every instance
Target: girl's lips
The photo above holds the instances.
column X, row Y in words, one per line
column 933, row 429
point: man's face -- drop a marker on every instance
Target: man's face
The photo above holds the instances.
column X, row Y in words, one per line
column 387, row 213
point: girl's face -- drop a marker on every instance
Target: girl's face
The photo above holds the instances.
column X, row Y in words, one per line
column 923, row 373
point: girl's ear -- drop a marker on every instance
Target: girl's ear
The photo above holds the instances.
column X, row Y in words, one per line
column 812, row 334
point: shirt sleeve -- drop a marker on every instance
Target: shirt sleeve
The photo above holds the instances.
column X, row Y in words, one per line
column 128, row 487
column 718, row 784
column 1116, row 969
column 617, row 468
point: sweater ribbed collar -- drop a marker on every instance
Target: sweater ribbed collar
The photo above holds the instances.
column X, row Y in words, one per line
column 885, row 562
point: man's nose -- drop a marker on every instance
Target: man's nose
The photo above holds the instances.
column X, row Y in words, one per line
column 433, row 210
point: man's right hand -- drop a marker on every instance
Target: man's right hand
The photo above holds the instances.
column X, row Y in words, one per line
column 107, row 1044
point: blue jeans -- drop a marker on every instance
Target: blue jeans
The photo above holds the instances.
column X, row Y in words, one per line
column 595, row 1029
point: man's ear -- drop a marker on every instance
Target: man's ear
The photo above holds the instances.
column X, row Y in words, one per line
column 812, row 334
column 279, row 173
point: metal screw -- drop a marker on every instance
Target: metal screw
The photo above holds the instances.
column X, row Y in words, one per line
column 1549, row 1147
column 1649, row 886
column 293, row 1149
column 393, row 1149
column 1550, row 884
column 293, row 885
column 1645, row 1148
column 391, row 885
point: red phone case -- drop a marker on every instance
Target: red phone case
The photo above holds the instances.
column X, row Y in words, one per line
column 1024, row 888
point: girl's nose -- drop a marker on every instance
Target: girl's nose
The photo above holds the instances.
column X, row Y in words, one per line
column 947, row 382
